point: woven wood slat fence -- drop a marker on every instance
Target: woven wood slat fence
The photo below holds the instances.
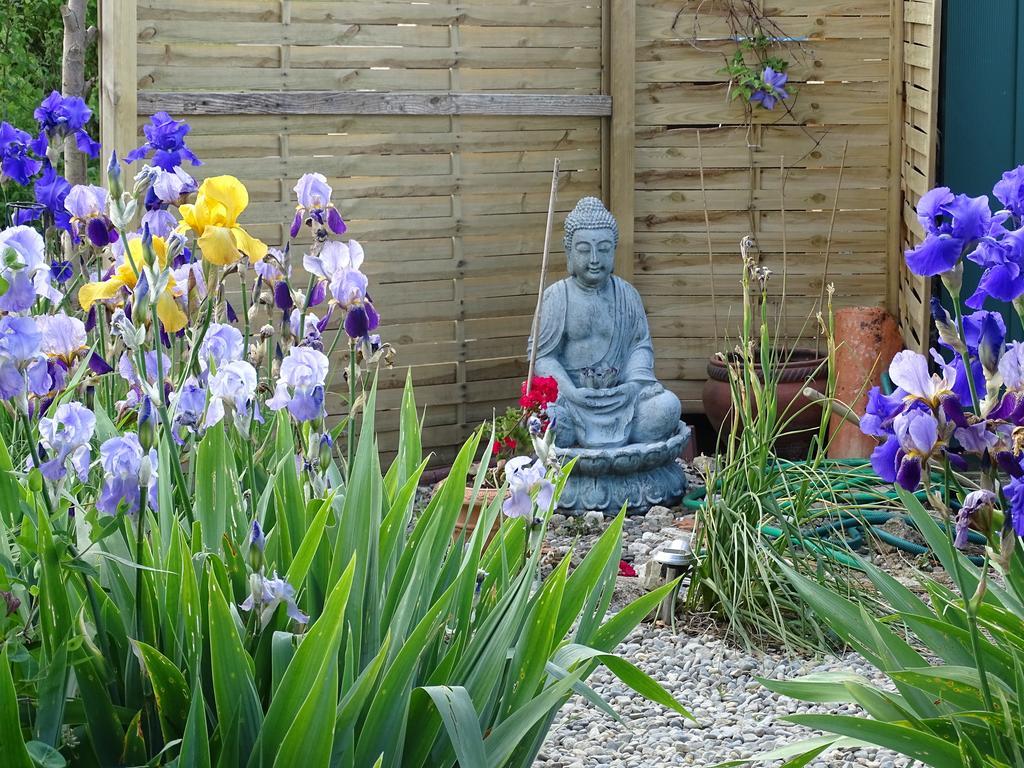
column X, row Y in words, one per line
column 437, row 124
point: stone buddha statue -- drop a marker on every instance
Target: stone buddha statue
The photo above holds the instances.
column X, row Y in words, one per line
column 594, row 340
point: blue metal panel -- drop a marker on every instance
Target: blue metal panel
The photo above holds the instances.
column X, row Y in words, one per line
column 981, row 102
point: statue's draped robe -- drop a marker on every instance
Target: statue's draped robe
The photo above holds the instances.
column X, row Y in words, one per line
column 630, row 351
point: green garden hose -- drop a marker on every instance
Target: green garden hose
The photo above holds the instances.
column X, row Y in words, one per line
column 837, row 537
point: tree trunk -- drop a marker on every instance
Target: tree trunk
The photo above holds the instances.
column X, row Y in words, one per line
column 73, row 79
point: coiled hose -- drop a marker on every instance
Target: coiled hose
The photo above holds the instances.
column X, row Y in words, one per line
column 855, row 485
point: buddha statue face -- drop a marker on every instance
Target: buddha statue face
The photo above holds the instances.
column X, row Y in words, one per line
column 592, row 256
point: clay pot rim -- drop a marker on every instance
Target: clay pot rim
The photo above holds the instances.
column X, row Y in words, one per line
column 796, row 364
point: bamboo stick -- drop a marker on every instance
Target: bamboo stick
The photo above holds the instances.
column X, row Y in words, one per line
column 543, row 275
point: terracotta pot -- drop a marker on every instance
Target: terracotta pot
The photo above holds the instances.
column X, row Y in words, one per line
column 470, row 516
column 796, row 373
column 867, row 339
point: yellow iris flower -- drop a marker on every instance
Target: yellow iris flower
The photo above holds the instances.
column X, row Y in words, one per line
column 214, row 218
column 171, row 315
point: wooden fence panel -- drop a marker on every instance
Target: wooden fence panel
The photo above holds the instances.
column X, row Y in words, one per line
column 702, row 164
column 437, row 123
column 921, row 21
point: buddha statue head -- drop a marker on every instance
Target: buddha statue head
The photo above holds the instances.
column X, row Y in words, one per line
column 591, row 235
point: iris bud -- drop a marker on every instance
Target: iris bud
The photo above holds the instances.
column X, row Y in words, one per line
column 953, row 279
column 326, row 450
column 114, row 176
column 257, row 544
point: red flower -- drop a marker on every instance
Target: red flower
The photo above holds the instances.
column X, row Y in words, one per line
column 625, row 569
column 543, row 392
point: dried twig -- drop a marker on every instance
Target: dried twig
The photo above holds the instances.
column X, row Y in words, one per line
column 831, row 226
column 707, row 229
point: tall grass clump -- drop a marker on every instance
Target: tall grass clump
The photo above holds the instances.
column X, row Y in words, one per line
column 757, row 506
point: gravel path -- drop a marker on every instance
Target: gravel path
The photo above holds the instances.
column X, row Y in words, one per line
column 736, row 716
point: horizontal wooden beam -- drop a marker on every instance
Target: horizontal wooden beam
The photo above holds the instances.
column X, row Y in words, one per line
column 376, row 103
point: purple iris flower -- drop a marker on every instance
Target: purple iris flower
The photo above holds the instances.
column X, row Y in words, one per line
column 1011, row 366
column 1003, row 264
column 952, row 224
column 1014, row 492
column 917, row 432
column 137, row 388
column 975, row 504
column 315, row 206
column 87, row 205
column 529, row 486
column 24, row 269
column 66, row 436
column 122, row 459
column 266, row 594
column 63, row 338
column 160, row 221
column 165, row 140
column 233, row 386
column 222, row 344
column 881, row 409
column 333, row 259
column 300, row 387
column 51, row 190
column 16, row 162
column 307, row 332
column 774, row 89
column 23, row 367
column 187, row 407
column 985, row 333
column 1009, row 190
column 59, row 117
column 909, row 371
column 348, row 287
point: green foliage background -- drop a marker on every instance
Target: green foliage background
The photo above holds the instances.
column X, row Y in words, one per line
column 31, row 41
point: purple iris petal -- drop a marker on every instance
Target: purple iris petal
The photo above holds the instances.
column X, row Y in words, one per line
column 296, row 223
column 98, row 232
column 1010, row 464
column 283, row 296
column 335, row 222
column 908, row 476
column 306, row 406
column 954, row 411
column 165, row 139
column 975, row 438
column 1010, row 190
column 98, row 365
column 51, row 191
column 971, row 217
column 16, row 163
column 230, row 310
column 1014, row 492
column 357, row 323
column 61, row 271
column 318, row 294
column 880, row 411
column 935, row 255
column 931, row 207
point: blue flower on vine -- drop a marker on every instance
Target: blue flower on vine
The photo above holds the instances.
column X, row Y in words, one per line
column 773, row 88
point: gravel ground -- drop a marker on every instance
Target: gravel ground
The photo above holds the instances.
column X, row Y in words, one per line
column 736, row 716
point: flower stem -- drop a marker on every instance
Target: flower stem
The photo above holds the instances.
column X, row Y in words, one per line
column 351, row 406
column 140, row 529
column 965, row 356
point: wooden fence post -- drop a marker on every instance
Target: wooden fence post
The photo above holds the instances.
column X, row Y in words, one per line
column 622, row 64
column 118, row 76
column 894, row 219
